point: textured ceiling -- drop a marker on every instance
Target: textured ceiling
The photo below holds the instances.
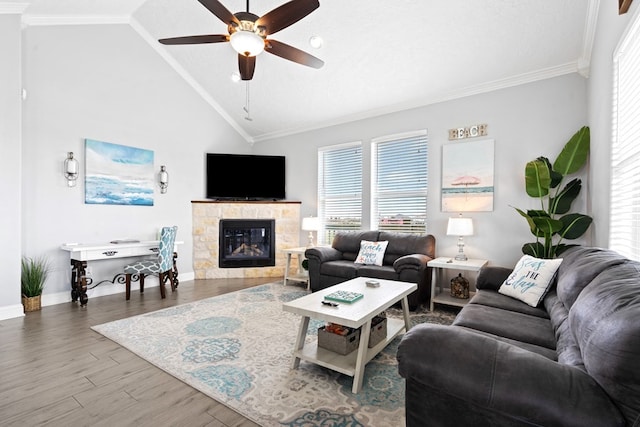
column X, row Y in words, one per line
column 380, row 56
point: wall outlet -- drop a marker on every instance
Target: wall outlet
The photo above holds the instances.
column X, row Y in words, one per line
column 88, row 271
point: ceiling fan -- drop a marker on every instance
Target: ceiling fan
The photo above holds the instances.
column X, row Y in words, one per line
column 248, row 33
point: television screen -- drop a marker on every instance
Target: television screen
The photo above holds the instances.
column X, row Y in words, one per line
column 245, row 177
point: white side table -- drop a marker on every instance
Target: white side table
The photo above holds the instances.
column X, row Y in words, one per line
column 443, row 263
column 301, row 276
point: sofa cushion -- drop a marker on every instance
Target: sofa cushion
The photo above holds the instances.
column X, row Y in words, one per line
column 508, row 324
column 401, row 244
column 531, row 279
column 549, row 353
column 581, row 265
column 495, row 299
column 605, row 320
column 340, row 268
column 567, row 350
column 382, row 272
column 371, row 253
column 348, row 242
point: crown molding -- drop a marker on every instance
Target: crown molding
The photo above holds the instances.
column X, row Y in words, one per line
column 543, row 74
column 11, row 8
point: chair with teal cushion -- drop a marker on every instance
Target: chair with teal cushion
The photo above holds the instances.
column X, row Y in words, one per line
column 161, row 267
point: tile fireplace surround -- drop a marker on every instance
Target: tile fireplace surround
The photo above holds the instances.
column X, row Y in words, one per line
column 206, row 220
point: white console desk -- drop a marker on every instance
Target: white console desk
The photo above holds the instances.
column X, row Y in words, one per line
column 81, row 253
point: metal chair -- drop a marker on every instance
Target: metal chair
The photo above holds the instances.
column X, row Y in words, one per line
column 162, row 266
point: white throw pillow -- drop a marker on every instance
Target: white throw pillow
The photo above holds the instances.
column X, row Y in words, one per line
column 371, row 253
column 530, row 279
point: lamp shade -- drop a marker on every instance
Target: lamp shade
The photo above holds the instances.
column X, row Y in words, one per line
column 247, row 43
column 460, row 227
column 311, row 223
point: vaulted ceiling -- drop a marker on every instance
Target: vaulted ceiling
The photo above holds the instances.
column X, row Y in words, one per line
column 380, row 56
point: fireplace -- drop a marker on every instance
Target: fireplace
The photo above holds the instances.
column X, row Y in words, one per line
column 247, row 243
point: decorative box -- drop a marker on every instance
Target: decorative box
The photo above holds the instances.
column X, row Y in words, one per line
column 378, row 330
column 342, row 344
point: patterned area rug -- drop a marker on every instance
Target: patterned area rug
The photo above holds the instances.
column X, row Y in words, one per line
column 237, row 349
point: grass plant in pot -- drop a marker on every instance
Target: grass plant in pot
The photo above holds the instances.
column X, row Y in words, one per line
column 34, row 275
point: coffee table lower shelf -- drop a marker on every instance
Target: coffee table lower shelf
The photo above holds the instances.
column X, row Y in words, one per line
column 346, row 364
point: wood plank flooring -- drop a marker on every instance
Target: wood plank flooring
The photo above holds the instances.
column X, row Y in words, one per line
column 56, row 371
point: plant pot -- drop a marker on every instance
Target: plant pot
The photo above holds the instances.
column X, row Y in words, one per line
column 31, row 303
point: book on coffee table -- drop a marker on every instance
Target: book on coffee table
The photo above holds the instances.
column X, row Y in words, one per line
column 344, row 296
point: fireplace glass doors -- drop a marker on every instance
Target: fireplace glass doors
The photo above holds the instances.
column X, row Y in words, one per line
column 247, row 243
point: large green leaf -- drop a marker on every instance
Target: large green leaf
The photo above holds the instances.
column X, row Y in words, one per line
column 547, row 225
column 532, row 225
column 537, row 231
column 556, row 178
column 574, row 225
column 574, row 154
column 562, row 202
column 537, row 178
column 535, row 249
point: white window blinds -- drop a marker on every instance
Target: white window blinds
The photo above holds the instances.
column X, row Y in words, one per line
column 399, row 182
column 624, row 227
column 339, row 189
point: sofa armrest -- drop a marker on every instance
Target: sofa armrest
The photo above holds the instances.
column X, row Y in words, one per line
column 412, row 261
column 494, row 379
column 322, row 254
column 491, row 277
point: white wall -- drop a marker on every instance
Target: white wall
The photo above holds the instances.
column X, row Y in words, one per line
column 10, row 153
column 104, row 82
column 525, row 122
column 610, row 29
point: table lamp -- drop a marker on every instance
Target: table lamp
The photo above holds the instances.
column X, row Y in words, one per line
column 460, row 227
column 310, row 224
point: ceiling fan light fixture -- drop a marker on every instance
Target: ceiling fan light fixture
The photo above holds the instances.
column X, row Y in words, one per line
column 247, row 43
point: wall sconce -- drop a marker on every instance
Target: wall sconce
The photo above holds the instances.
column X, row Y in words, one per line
column 311, row 224
column 71, row 169
column 163, row 179
column 460, row 227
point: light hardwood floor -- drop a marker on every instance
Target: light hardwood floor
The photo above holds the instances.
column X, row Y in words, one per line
column 55, row 370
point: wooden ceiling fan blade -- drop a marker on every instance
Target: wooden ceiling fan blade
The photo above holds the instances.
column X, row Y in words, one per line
column 246, row 65
column 218, row 9
column 292, row 54
column 211, row 38
column 287, row 14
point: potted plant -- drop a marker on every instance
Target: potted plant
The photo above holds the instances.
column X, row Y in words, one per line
column 552, row 223
column 33, row 276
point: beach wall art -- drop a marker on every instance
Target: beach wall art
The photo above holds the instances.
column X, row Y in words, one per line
column 117, row 174
column 467, row 176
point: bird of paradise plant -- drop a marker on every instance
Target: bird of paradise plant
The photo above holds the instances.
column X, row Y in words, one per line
column 552, row 223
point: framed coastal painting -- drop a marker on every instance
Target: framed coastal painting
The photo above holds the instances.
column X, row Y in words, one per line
column 118, row 174
column 467, row 176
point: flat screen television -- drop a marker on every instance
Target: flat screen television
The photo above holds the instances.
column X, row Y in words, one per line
column 245, row 177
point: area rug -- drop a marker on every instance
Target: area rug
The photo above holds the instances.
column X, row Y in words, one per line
column 237, row 348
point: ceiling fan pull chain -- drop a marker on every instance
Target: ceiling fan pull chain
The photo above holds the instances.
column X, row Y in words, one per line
column 247, row 107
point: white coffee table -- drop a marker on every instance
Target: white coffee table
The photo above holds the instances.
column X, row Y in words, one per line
column 355, row 315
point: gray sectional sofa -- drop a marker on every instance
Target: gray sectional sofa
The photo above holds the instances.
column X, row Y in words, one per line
column 572, row 361
column 405, row 259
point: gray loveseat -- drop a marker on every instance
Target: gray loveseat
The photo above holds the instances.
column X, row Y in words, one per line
column 405, row 259
column 572, row 361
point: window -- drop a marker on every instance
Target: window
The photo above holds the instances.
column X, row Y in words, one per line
column 399, row 183
column 339, row 189
column 624, row 227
